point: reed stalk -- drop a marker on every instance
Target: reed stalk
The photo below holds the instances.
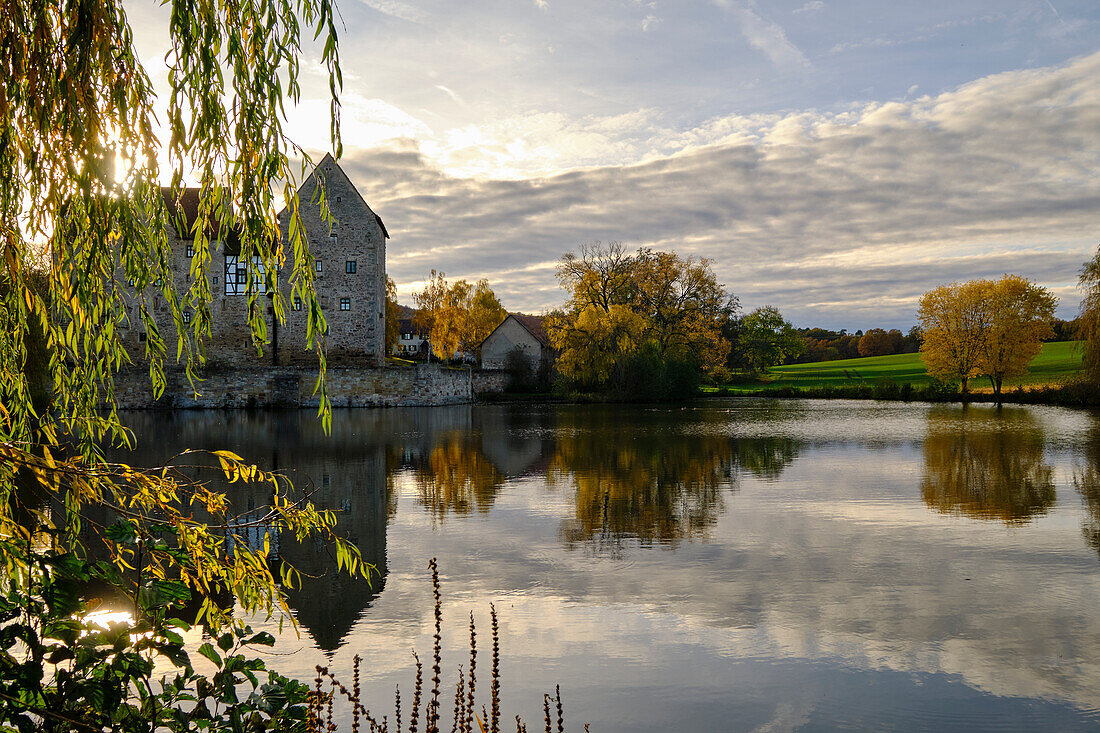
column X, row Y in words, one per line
column 320, row 704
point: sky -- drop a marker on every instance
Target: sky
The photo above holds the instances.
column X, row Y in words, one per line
column 833, row 159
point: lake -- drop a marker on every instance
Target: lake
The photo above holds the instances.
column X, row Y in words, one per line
column 746, row 565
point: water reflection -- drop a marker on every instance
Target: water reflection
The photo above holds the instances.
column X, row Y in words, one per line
column 987, row 464
column 800, row 582
column 342, row 472
column 1087, row 481
column 455, row 476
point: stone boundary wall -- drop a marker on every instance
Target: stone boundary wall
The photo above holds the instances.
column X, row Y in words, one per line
column 490, row 380
column 420, row 385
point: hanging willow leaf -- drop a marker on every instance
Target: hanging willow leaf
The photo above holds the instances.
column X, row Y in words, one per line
column 84, row 252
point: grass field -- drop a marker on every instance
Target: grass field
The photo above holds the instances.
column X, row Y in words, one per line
column 1057, row 363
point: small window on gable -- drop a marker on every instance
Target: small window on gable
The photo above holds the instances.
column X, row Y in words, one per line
column 297, row 304
column 190, row 249
column 349, row 267
column 345, row 304
column 187, row 316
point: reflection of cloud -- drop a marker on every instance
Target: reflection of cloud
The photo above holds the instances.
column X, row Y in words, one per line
column 837, row 569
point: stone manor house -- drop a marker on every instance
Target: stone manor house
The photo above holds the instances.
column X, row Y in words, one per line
column 350, row 283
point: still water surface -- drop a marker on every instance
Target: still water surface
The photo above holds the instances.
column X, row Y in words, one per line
column 748, row 565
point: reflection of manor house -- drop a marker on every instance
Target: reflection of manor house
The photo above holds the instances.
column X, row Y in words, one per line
column 350, row 264
column 342, row 472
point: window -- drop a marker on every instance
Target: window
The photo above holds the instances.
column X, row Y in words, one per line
column 141, row 336
column 190, row 250
column 215, row 279
column 187, row 316
column 337, row 199
column 349, row 267
column 318, row 266
column 236, row 274
column 297, row 304
column 345, row 304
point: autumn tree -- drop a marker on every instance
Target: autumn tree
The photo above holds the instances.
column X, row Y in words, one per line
column 1088, row 320
column 955, row 321
column 393, row 315
column 457, row 316
column 1020, row 316
column 880, row 342
column 766, row 339
column 594, row 343
column 984, row 327
column 619, row 303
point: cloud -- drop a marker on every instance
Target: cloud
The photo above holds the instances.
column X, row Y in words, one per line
column 397, row 9
column 812, row 6
column 650, row 22
column 840, row 218
column 450, row 93
column 918, row 35
column 765, row 35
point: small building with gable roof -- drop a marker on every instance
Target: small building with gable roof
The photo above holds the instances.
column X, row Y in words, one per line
column 517, row 331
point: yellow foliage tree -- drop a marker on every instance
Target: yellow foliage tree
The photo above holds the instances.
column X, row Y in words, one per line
column 1020, row 316
column 1088, row 329
column 676, row 303
column 955, row 322
column 592, row 343
column 984, row 327
column 458, row 316
column 392, row 315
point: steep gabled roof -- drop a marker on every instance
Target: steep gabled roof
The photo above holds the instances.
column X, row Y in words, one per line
column 534, row 325
column 531, row 324
column 326, row 162
column 183, row 211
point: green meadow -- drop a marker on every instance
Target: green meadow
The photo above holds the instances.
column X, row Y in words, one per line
column 1057, row 363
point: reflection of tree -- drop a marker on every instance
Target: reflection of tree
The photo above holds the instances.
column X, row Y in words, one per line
column 641, row 478
column 1087, row 481
column 765, row 458
column 986, row 464
column 455, row 476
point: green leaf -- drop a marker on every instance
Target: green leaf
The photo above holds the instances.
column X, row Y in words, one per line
column 208, row 651
column 261, row 639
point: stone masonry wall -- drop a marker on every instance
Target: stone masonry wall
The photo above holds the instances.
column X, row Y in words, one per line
column 490, row 380
column 422, row 385
column 350, row 282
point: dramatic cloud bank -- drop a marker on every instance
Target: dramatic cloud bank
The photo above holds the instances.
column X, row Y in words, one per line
column 840, row 218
